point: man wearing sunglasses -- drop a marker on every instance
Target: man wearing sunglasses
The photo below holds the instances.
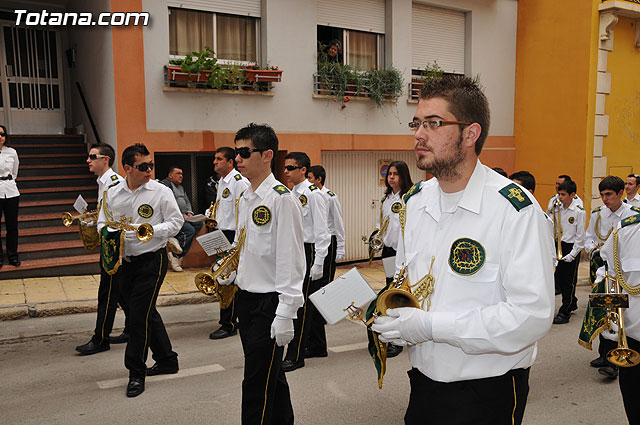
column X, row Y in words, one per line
column 478, row 252
column 270, row 273
column 230, row 187
column 186, row 235
column 144, row 264
column 100, row 160
column 316, row 247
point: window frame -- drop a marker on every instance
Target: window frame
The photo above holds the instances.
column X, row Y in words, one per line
column 380, row 46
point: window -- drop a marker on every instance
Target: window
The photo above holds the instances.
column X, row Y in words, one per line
column 362, row 50
column 232, row 37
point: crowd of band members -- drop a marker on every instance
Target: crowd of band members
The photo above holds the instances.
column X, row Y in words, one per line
column 292, row 238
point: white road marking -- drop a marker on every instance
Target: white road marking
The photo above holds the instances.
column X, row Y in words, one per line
column 350, row 347
column 122, row 382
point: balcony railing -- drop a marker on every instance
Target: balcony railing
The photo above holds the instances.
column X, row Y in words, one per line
column 174, row 77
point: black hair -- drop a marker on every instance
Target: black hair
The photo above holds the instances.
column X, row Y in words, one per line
column 318, row 172
column 568, row 186
column 173, row 167
column 637, row 177
column 466, row 101
column 565, row 177
column 301, row 158
column 129, row 154
column 500, row 171
column 7, row 139
column 337, row 43
column 405, row 178
column 106, row 150
column 526, row 180
column 614, row 183
column 262, row 137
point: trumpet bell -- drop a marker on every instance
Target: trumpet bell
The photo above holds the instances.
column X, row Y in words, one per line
column 206, row 283
column 396, row 298
column 623, row 357
column 210, row 224
column 144, row 232
column 67, row 219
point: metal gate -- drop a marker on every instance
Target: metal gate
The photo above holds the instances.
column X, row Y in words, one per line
column 355, row 178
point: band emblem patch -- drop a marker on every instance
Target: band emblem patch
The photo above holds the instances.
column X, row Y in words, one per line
column 145, row 211
column 114, row 177
column 261, row 215
column 466, row 257
column 396, row 207
column 226, row 192
column 303, row 200
column 572, row 220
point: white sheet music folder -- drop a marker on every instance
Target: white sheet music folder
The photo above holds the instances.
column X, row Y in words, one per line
column 214, row 242
column 332, row 300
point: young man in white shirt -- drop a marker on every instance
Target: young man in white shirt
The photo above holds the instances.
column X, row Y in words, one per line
column 230, row 187
column 100, row 160
column 631, row 188
column 270, row 273
column 482, row 246
column 561, row 179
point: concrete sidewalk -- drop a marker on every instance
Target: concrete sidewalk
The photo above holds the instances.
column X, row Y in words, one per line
column 53, row 296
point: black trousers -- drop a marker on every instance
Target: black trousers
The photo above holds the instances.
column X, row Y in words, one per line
column 140, row 282
column 108, row 300
column 301, row 325
column 332, row 267
column 9, row 207
column 497, row 400
column 628, row 379
column 228, row 316
column 387, row 251
column 265, row 391
column 317, row 336
column 566, row 278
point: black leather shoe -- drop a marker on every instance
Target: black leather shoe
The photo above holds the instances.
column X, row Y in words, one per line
column 15, row 263
column 135, row 386
column 92, row 348
column 120, row 339
column 599, row 362
column 290, row 365
column 222, row 333
column 308, row 354
column 158, row 369
column 561, row 318
column 573, row 307
column 393, row 350
column 609, row 371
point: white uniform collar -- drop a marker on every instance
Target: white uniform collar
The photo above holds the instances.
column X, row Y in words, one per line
column 302, row 185
column 146, row 186
column 106, row 176
column 230, row 175
column 262, row 190
column 574, row 205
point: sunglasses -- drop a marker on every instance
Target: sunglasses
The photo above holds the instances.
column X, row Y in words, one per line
column 144, row 166
column 93, row 156
column 291, row 167
column 245, row 152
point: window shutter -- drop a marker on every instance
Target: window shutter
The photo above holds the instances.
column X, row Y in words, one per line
column 437, row 35
column 360, row 15
column 233, row 7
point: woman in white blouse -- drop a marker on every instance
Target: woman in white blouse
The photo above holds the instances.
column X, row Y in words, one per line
column 9, row 197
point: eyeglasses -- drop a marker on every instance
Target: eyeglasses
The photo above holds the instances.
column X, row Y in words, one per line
column 2, row 134
column 291, row 167
column 434, row 124
column 144, row 166
column 93, row 156
column 245, row 152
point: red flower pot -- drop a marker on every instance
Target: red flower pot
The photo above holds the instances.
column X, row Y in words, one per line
column 175, row 73
column 259, row 75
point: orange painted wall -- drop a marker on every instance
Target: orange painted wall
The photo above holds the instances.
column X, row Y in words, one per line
column 555, row 71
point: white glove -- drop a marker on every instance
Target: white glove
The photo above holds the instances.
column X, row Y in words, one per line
column 316, row 272
column 229, row 280
column 282, row 330
column 340, row 253
column 568, row 258
column 408, row 325
column 207, row 213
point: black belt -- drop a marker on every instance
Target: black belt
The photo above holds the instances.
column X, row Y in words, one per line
column 9, row 177
column 141, row 257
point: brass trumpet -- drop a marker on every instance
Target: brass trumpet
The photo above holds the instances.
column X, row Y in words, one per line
column 557, row 227
column 375, row 239
column 144, row 231
column 88, row 217
column 210, row 223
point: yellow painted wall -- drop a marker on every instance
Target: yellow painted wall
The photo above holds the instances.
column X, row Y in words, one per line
column 622, row 145
column 556, row 65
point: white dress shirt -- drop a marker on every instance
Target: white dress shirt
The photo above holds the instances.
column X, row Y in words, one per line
column 272, row 257
column 573, row 220
column 229, row 189
column 389, row 203
column 151, row 203
column 488, row 321
column 107, row 179
column 9, row 165
column 629, row 252
column 314, row 218
column 634, row 202
column 334, row 217
column 554, row 197
column 608, row 221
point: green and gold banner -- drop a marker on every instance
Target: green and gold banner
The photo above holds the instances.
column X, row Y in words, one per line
column 595, row 320
column 377, row 349
column 111, row 244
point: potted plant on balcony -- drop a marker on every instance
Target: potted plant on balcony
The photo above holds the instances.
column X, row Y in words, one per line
column 384, row 84
column 256, row 73
column 430, row 72
column 194, row 68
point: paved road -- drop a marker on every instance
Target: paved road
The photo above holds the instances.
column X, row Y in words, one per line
column 44, row 382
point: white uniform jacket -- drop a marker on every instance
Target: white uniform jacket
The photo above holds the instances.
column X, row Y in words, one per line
column 493, row 297
column 573, row 221
column 230, row 188
column 9, row 163
column 107, row 179
column 272, row 257
column 634, row 202
column 151, row 203
column 391, row 206
column 554, row 197
column 314, row 218
column 334, row 217
column 608, row 221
